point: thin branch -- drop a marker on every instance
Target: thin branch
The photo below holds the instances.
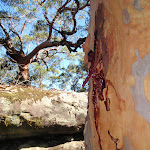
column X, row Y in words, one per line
column 77, row 3
column 63, row 33
column 20, row 36
column 42, row 2
column 45, row 64
column 79, row 8
column 87, row 4
column 5, row 31
column 44, row 51
column 59, row 11
column 51, row 57
column 21, row 43
column 56, row 53
column 50, row 25
column 73, row 46
column 23, row 29
column 7, row 43
column 75, row 23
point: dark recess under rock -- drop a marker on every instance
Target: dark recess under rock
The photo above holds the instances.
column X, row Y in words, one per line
column 39, row 141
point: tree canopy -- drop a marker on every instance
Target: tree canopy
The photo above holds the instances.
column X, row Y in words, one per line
column 38, row 35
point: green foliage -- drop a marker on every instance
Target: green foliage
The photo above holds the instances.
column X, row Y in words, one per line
column 3, row 14
column 68, row 76
column 8, row 70
column 72, row 76
column 40, row 25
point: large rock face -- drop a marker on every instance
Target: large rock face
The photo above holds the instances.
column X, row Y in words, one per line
column 31, row 111
column 119, row 35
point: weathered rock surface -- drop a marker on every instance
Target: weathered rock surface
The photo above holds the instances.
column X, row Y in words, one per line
column 74, row 145
column 31, row 111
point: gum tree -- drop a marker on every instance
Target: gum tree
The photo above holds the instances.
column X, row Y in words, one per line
column 31, row 28
column 117, row 51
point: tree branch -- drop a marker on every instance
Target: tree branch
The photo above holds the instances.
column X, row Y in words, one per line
column 45, row 44
column 21, row 43
column 87, row 4
column 45, row 64
column 49, row 57
column 2, row 41
column 20, row 36
column 42, row 2
column 71, row 46
column 50, row 25
column 23, row 30
column 59, row 11
column 79, row 8
column 5, row 31
column 7, row 43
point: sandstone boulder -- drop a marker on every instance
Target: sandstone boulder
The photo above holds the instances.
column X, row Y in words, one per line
column 31, row 111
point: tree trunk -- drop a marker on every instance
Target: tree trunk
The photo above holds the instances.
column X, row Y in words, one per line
column 23, row 76
column 17, row 57
column 119, row 37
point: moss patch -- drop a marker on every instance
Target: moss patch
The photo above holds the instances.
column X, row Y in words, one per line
column 16, row 93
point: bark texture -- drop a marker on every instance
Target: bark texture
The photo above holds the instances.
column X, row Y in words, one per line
column 123, row 48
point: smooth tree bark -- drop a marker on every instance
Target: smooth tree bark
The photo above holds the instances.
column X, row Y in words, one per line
column 117, row 52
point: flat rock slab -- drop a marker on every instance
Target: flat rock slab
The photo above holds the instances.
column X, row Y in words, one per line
column 74, row 145
column 31, row 111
